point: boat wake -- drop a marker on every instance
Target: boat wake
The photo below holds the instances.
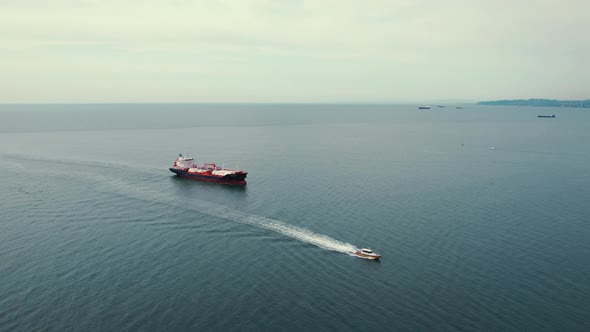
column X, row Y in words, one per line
column 108, row 183
column 219, row 211
column 294, row 232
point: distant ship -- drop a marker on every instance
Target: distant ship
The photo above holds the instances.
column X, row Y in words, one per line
column 185, row 167
column 423, row 107
column 459, row 107
column 440, row 106
column 546, row 116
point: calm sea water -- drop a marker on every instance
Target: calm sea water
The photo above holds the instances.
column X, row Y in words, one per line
column 97, row 234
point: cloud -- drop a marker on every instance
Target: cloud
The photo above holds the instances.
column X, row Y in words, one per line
column 407, row 47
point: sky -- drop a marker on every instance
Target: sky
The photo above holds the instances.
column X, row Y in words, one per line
column 86, row 51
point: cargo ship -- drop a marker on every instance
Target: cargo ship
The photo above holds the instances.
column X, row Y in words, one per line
column 184, row 166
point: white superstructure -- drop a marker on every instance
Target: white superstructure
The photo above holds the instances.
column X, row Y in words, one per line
column 188, row 164
column 184, row 162
column 223, row 172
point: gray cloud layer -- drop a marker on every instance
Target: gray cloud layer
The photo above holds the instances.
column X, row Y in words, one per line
column 272, row 51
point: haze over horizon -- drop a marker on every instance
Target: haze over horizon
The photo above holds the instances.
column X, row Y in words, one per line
column 266, row 51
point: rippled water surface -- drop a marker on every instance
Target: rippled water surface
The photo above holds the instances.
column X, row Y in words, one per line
column 482, row 217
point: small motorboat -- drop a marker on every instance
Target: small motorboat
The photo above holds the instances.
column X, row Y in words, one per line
column 367, row 253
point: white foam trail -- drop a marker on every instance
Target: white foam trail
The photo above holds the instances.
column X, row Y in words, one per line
column 219, row 211
column 215, row 210
column 298, row 233
column 13, row 164
column 141, row 192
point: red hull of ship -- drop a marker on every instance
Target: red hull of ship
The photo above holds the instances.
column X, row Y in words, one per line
column 238, row 183
column 238, row 178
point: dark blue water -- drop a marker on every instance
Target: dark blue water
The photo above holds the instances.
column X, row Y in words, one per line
column 97, row 234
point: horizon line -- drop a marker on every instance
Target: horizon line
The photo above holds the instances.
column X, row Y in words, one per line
column 246, row 102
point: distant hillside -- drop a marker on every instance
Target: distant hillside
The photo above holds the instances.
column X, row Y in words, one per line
column 539, row 102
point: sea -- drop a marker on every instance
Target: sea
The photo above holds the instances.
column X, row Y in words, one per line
column 482, row 216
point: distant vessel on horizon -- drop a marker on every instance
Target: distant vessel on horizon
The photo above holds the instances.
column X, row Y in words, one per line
column 546, row 116
column 423, row 107
column 459, row 107
column 184, row 166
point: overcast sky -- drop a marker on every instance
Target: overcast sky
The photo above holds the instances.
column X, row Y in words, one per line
column 293, row 50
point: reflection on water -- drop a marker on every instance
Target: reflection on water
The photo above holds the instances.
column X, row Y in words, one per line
column 189, row 186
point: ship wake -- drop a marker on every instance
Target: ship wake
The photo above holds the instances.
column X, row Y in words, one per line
column 222, row 212
column 294, row 232
column 140, row 191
